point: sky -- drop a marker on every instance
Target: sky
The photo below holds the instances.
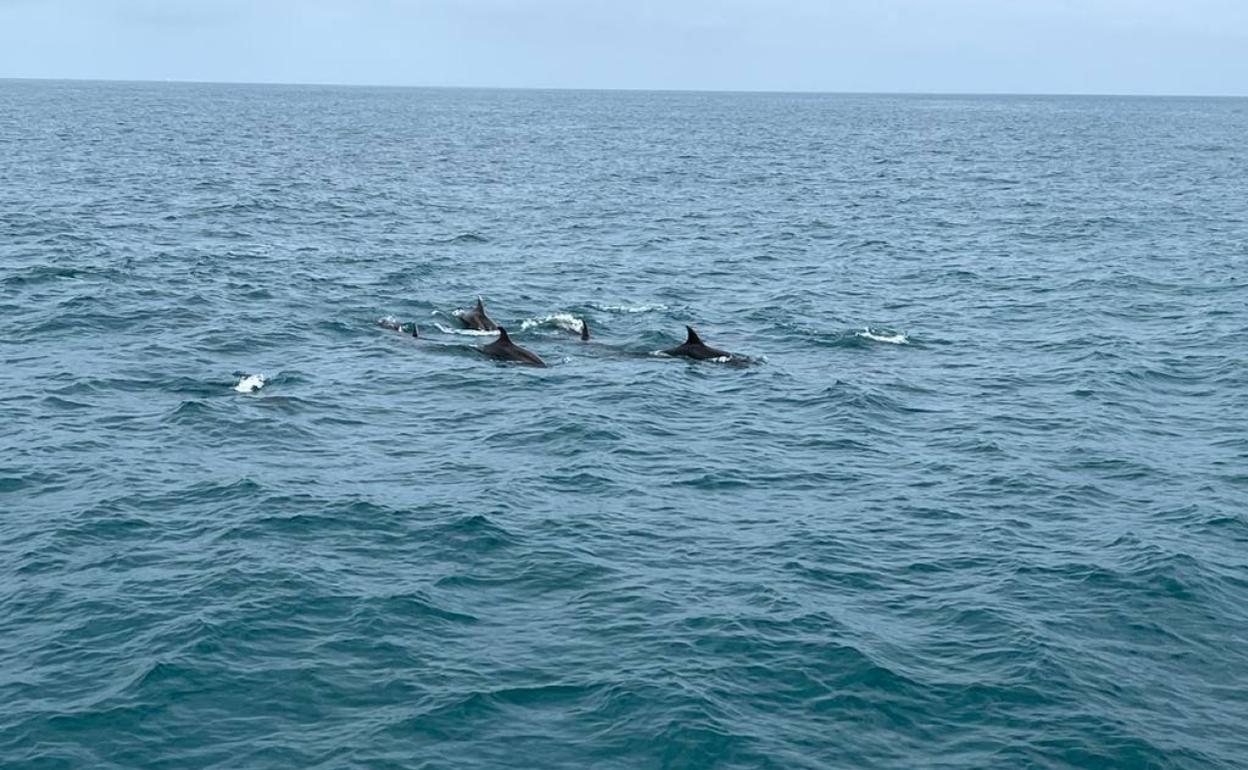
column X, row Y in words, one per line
column 1197, row 47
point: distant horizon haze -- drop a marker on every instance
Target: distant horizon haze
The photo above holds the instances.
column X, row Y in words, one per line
column 623, row 89
column 1058, row 47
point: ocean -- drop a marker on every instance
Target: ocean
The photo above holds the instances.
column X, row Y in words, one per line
column 977, row 499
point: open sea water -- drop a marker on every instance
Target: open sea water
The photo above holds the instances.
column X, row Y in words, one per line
column 980, row 501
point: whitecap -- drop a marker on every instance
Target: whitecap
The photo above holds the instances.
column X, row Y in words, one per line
column 631, row 308
column 471, row 332
column 565, row 321
column 892, row 339
column 250, row 383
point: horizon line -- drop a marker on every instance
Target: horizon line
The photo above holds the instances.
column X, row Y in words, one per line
column 624, row 89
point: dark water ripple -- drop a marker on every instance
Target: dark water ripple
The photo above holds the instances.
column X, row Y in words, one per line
column 978, row 503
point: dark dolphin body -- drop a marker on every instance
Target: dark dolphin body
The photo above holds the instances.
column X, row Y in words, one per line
column 504, row 349
column 694, row 348
column 477, row 319
column 584, row 330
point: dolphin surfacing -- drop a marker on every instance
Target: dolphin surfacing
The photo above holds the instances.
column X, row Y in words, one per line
column 693, row 347
column 395, row 326
column 503, row 349
column 477, row 319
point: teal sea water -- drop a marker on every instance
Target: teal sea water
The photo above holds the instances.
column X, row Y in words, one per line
column 979, row 503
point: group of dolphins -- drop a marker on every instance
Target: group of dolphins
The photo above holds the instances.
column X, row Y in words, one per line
column 503, row 349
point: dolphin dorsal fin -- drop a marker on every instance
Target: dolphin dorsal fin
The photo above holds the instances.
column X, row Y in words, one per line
column 502, row 336
column 415, row 331
column 480, row 305
column 584, row 329
column 693, row 338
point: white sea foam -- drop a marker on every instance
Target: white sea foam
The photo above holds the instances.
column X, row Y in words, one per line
column 470, row 332
column 250, row 383
column 565, row 321
column 892, row 339
column 631, row 308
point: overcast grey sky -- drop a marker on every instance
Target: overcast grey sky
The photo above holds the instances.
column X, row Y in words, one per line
column 1016, row 46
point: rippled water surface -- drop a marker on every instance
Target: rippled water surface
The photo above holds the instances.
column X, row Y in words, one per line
column 979, row 501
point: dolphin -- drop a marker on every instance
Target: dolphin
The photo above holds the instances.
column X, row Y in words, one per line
column 395, row 326
column 477, row 319
column 584, row 330
column 694, row 348
column 505, row 350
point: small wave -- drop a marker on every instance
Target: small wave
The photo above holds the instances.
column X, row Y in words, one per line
column 630, row 308
column 470, row 332
column 461, row 238
column 882, row 336
column 43, row 273
column 565, row 321
column 250, row 383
